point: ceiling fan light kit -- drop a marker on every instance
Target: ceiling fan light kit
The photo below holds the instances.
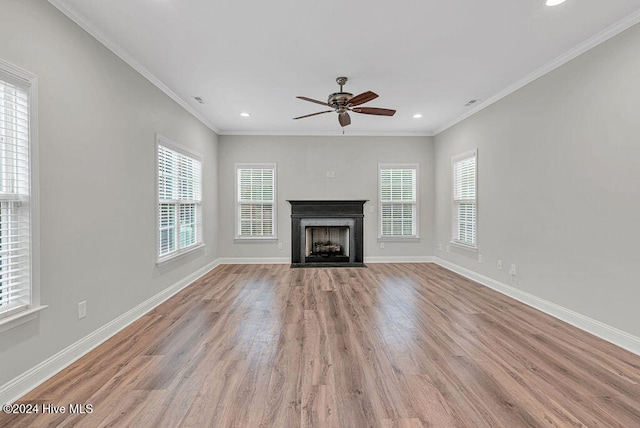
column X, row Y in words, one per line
column 344, row 102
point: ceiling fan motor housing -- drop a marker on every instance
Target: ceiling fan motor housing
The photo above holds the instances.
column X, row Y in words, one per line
column 339, row 99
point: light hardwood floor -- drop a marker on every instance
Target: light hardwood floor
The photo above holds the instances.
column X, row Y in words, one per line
column 391, row 345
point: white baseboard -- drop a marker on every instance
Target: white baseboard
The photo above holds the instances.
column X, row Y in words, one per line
column 254, row 260
column 400, row 259
column 287, row 260
column 606, row 332
column 19, row 386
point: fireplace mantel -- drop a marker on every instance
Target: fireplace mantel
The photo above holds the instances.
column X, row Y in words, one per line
column 327, row 213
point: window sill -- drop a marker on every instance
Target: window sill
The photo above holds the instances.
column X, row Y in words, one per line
column 464, row 246
column 254, row 239
column 20, row 318
column 398, row 238
column 173, row 256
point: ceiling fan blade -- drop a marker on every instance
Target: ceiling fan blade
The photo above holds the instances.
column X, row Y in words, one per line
column 312, row 114
column 344, row 119
column 374, row 110
column 364, row 97
column 313, row 101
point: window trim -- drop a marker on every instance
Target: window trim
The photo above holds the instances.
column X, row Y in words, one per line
column 161, row 140
column 399, row 238
column 29, row 81
column 454, row 219
column 274, row 236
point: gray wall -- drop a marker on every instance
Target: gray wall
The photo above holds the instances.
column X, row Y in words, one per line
column 302, row 163
column 559, row 185
column 97, row 125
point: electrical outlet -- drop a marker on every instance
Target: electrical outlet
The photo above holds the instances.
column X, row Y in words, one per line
column 448, row 248
column 279, row 245
column 440, row 246
column 331, row 174
column 513, row 270
column 382, row 245
column 82, row 309
column 480, row 258
column 499, row 264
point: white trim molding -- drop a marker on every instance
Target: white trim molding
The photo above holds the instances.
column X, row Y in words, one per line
column 599, row 329
column 578, row 50
column 255, row 260
column 337, row 133
column 239, row 202
column 84, row 23
column 19, row 386
column 399, row 259
column 169, row 152
column 20, row 318
column 28, row 311
column 594, row 41
column 416, row 203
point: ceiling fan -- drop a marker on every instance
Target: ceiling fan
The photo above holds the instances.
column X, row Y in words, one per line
column 344, row 102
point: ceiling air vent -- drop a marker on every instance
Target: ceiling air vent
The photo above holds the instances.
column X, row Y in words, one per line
column 470, row 103
column 199, row 99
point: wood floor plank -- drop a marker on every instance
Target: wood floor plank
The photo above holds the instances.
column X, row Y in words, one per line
column 391, row 345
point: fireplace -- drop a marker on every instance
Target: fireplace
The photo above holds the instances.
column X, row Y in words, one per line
column 327, row 233
column 326, row 243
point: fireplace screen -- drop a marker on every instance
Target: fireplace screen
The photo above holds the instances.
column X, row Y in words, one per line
column 327, row 241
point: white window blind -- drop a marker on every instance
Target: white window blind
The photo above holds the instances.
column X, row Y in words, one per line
column 464, row 199
column 15, row 233
column 398, row 201
column 256, row 201
column 179, row 200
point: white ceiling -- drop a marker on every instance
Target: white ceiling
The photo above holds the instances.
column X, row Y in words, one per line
column 424, row 56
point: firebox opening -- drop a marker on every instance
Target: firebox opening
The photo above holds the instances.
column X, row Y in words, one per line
column 327, row 241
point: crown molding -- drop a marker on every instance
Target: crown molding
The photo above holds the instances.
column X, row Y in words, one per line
column 581, row 48
column 590, row 43
column 83, row 23
column 327, row 134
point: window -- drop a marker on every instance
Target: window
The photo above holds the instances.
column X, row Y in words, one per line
column 256, row 192
column 398, row 201
column 464, row 199
column 18, row 292
column 179, row 200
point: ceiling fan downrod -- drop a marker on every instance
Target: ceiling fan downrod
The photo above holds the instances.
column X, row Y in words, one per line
column 341, row 81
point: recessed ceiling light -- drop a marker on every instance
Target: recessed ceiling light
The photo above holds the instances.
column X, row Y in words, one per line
column 554, row 2
column 245, row 114
column 417, row 116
